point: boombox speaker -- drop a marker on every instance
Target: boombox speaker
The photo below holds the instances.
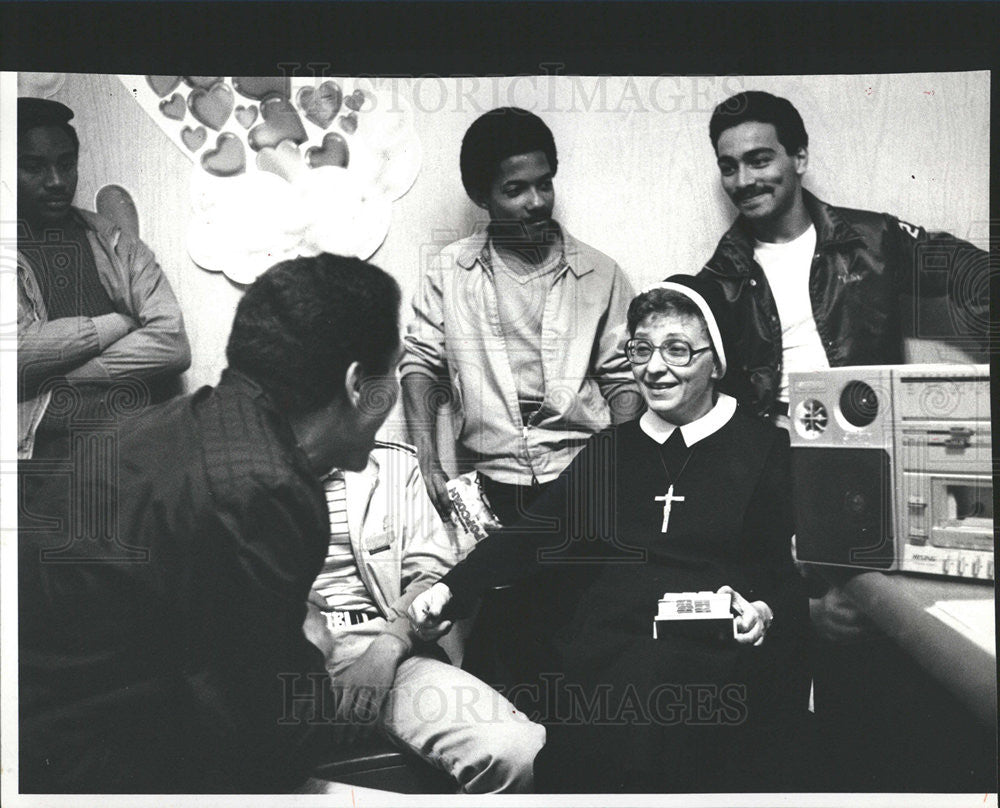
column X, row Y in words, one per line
column 843, row 504
column 892, row 468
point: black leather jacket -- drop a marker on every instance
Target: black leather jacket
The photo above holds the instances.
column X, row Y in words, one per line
column 863, row 262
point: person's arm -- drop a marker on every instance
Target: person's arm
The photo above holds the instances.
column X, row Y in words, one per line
column 55, row 347
column 421, row 396
column 939, row 264
column 425, row 383
column 359, row 690
column 505, row 556
column 611, row 368
column 158, row 344
column 565, row 528
column 510, row 554
column 427, row 550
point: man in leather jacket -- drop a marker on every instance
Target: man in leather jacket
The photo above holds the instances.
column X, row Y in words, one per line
column 845, row 309
column 815, row 286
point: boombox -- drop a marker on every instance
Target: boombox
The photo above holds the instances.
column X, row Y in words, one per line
column 891, row 468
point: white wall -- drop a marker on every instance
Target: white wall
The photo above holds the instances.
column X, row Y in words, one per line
column 637, row 175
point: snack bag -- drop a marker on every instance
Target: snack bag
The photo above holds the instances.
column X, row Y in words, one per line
column 470, row 507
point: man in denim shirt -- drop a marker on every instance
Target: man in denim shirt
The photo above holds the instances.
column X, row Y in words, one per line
column 518, row 325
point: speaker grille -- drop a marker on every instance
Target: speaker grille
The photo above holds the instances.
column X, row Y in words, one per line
column 859, row 403
column 811, row 418
column 843, row 507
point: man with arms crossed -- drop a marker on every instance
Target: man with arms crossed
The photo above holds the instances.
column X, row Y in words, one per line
column 93, row 305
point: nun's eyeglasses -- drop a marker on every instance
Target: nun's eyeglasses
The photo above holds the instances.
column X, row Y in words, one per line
column 674, row 352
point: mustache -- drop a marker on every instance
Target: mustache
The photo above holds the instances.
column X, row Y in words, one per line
column 753, row 190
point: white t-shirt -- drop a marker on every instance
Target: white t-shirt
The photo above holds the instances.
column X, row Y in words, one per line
column 786, row 267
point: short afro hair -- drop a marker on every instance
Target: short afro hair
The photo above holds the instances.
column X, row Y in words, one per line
column 760, row 107
column 497, row 135
column 302, row 323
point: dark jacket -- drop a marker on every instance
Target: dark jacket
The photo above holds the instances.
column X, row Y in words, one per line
column 161, row 608
column 864, row 261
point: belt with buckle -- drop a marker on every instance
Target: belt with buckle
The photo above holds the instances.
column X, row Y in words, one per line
column 341, row 618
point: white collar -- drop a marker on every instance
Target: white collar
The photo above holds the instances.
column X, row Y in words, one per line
column 711, row 422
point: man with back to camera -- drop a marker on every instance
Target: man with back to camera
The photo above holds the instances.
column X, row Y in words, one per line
column 173, row 669
column 93, row 305
column 814, row 286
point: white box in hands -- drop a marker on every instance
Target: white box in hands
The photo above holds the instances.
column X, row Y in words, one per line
column 699, row 615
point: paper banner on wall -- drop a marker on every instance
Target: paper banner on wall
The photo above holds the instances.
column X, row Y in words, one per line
column 284, row 166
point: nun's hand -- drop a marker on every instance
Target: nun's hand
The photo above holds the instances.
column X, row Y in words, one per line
column 752, row 619
column 425, row 612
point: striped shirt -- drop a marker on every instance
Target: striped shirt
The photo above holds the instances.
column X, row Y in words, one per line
column 339, row 581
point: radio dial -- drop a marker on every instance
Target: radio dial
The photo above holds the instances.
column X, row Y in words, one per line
column 960, row 568
column 946, row 566
column 976, row 564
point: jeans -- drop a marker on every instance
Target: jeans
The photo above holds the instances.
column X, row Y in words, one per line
column 448, row 717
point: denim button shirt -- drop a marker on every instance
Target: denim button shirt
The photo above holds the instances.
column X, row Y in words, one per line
column 456, row 331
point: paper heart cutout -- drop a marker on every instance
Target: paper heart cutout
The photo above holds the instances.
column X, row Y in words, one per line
column 355, row 100
column 39, row 85
column 174, row 108
column 349, row 123
column 281, row 122
column 285, row 160
column 246, row 115
column 227, row 159
column 261, row 87
column 201, row 82
column 211, row 107
column 163, row 84
column 194, row 139
column 333, row 152
column 322, row 104
column 115, row 204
